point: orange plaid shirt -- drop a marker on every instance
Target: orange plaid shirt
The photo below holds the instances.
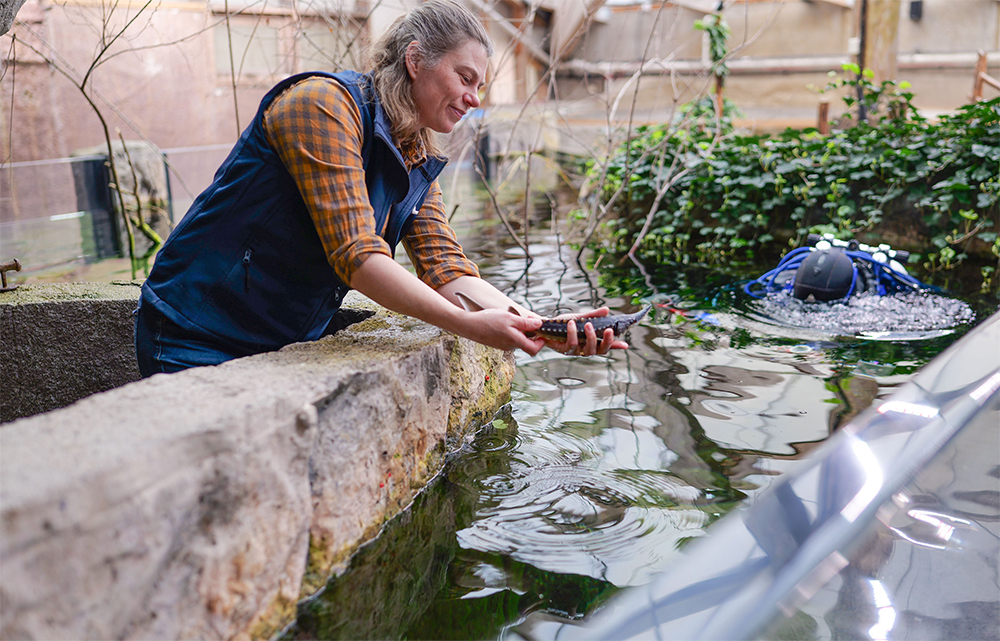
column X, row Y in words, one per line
column 315, row 128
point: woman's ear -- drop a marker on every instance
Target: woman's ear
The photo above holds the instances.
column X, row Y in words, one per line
column 412, row 59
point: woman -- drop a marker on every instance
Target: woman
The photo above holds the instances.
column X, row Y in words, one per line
column 332, row 173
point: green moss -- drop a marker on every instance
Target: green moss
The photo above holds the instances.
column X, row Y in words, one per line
column 278, row 614
column 480, row 380
column 64, row 292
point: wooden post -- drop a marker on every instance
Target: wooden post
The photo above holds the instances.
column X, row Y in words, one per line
column 882, row 35
column 977, row 86
column 520, row 54
column 823, row 118
column 719, row 100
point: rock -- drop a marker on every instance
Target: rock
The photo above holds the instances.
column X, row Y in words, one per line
column 60, row 343
column 206, row 503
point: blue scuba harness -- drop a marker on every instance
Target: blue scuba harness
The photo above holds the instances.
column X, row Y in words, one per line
column 834, row 270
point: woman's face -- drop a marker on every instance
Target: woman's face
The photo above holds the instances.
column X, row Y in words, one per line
column 444, row 92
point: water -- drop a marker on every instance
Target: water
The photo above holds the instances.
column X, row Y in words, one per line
column 601, row 469
column 901, row 316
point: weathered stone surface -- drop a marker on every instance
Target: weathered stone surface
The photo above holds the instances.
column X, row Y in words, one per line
column 62, row 342
column 8, row 10
column 390, row 581
column 192, row 504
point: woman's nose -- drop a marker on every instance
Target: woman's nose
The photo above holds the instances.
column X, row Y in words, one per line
column 472, row 99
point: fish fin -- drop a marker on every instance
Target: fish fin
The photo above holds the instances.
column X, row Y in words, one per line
column 468, row 303
column 471, row 305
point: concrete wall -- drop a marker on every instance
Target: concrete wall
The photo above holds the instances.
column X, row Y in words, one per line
column 60, row 343
column 781, row 53
column 205, row 504
column 168, row 80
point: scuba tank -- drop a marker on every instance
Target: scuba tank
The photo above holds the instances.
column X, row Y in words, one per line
column 829, row 269
column 825, row 275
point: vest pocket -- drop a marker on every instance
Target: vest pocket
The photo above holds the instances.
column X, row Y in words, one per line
column 246, row 269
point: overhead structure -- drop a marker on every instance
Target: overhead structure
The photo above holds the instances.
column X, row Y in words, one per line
column 570, row 21
column 512, row 31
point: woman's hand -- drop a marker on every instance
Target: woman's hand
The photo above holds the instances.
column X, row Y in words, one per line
column 502, row 329
column 488, row 296
column 590, row 346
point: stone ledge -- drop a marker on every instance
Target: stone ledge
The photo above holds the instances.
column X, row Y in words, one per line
column 207, row 503
column 60, row 343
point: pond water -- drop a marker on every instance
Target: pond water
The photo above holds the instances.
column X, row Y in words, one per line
column 600, row 469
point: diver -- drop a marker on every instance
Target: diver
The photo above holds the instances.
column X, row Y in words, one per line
column 828, row 270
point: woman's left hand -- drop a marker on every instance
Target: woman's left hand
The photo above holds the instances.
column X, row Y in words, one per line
column 592, row 344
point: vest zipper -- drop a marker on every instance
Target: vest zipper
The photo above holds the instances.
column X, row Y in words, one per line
column 246, row 270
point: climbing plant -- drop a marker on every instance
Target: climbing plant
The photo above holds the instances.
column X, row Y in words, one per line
column 741, row 191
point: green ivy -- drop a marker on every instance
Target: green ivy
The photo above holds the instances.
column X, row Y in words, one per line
column 718, row 41
column 741, row 191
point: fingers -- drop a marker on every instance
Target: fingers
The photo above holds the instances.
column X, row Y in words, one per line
column 572, row 340
column 591, row 345
column 536, row 346
column 595, row 313
column 502, row 330
column 519, row 340
column 607, row 341
column 527, row 323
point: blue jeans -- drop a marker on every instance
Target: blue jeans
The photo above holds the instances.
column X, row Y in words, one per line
column 163, row 346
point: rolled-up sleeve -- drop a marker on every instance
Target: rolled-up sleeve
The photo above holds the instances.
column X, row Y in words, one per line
column 315, row 128
column 432, row 245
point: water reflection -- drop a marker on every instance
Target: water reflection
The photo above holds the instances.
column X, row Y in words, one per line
column 605, row 466
column 565, row 508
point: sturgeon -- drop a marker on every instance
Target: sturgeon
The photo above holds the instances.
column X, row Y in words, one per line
column 556, row 329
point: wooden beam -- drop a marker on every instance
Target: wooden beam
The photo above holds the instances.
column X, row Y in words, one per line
column 512, row 31
column 746, row 65
column 882, row 46
column 846, row 4
column 977, row 86
column 823, row 117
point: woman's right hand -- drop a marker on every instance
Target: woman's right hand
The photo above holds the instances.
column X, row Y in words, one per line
column 501, row 329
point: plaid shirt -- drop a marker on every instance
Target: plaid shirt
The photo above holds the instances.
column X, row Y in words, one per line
column 315, row 128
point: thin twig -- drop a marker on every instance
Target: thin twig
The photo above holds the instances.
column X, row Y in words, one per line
column 499, row 210
column 232, row 69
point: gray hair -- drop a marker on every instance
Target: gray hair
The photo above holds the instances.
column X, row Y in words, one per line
column 438, row 26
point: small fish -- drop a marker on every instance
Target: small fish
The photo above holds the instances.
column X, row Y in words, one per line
column 553, row 329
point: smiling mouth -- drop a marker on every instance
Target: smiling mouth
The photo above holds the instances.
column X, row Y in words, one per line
column 460, row 114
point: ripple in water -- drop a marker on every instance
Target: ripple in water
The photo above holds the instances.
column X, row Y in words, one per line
column 618, row 527
column 907, row 314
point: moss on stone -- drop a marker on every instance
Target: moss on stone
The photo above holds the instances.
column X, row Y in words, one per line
column 473, row 380
column 479, row 383
column 278, row 614
column 63, row 292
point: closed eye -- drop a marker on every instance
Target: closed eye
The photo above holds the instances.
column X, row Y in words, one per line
column 467, row 78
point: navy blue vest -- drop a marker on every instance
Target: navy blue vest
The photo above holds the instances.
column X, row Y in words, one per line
column 245, row 267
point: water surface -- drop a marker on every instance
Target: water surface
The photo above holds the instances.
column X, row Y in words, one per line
column 600, row 469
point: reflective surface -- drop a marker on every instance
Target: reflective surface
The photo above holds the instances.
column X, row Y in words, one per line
column 603, row 471
column 890, row 530
column 916, row 314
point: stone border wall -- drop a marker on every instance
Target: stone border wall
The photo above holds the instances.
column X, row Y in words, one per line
column 60, row 343
column 205, row 504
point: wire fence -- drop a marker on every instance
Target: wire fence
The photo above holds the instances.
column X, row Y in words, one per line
column 59, row 212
